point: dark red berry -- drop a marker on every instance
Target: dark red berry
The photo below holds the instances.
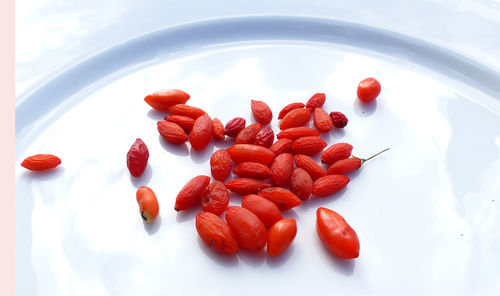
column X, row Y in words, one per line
column 339, row 119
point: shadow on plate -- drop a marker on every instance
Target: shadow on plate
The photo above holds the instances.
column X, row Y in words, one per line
column 156, row 115
column 43, row 176
column 144, row 179
column 364, row 109
column 153, row 227
column 226, row 260
column 275, row 262
column 203, row 155
column 252, row 258
column 180, row 150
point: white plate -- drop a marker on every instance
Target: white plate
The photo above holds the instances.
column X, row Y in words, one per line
column 426, row 212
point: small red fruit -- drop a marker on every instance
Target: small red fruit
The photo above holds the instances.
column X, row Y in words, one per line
column 316, row 101
column 348, row 165
column 329, row 184
column 308, row 145
column 215, row 198
column 339, row 119
column 137, row 158
column 261, row 112
column 183, row 121
column 172, row 132
column 148, row 204
column 268, row 212
column 281, row 146
column 295, row 133
column 368, row 90
column 201, row 134
column 190, row 194
column 250, row 153
column 282, row 168
column 294, row 118
column 281, row 236
column 218, row 129
column 249, row 231
column 220, row 165
column 252, row 170
column 289, row 108
column 216, row 233
column 247, row 135
column 234, row 126
column 186, row 110
column 336, row 152
column 322, row 121
column 163, row 99
column 244, row 186
column 339, row 237
column 283, row 198
column 264, row 137
column 309, row 165
column 301, row 183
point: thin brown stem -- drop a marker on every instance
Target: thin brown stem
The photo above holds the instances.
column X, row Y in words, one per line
column 376, row 154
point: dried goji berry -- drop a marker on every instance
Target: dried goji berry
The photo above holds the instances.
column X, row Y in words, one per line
column 216, row 233
column 336, row 152
column 261, row 112
column 329, row 184
column 283, row 198
column 281, row 236
column 252, row 170
column 163, row 99
column 306, row 163
column 344, row 166
column 281, row 146
column 264, row 138
column 190, row 194
column 249, row 231
column 295, row 133
column 336, row 234
column 218, row 129
column 234, row 126
column 296, row 117
column 215, row 198
column 348, row 165
column 281, row 168
column 172, row 132
column 148, row 204
column 186, row 110
column 316, row 101
column 339, row 120
column 137, row 158
column 220, row 165
column 41, row 162
column 183, row 121
column 268, row 212
column 244, row 186
column 368, row 90
column 289, row 108
column 250, row 153
column 301, row 183
column 201, row 134
column 247, row 135
column 308, row 145
column 322, row 120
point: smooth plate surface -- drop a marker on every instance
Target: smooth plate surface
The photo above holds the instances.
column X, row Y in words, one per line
column 426, row 212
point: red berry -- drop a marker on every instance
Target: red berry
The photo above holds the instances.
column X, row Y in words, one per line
column 264, row 137
column 339, row 119
column 368, row 90
column 234, row 126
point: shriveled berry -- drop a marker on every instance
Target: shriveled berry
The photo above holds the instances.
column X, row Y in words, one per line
column 301, row 183
column 296, row 117
column 283, row 198
column 249, row 231
column 253, row 170
column 344, row 166
column 201, row 134
column 309, row 165
column 289, row 108
column 281, row 168
column 148, row 204
column 281, row 146
column 261, row 112
column 215, row 198
column 216, row 233
column 220, row 165
column 268, row 212
column 339, row 120
column 250, row 153
column 190, row 194
column 247, row 135
column 368, row 90
column 218, row 129
column 244, row 186
column 163, row 99
column 137, row 158
column 308, row 145
column 295, row 133
column 281, row 236
column 336, row 152
column 264, row 138
column 329, row 184
column 316, row 101
column 183, row 121
column 234, row 126
column 172, row 132
column 186, row 110
column 322, row 121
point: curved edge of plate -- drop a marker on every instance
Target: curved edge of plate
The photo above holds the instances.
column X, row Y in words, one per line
column 203, row 33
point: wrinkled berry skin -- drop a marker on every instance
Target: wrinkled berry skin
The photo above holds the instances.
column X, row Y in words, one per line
column 339, row 119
